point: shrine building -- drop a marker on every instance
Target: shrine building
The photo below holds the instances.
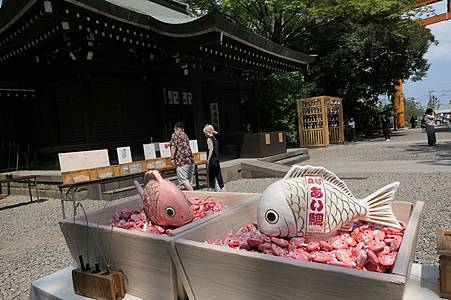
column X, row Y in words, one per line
column 93, row 74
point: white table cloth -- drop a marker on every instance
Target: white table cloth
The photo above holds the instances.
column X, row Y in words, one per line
column 423, row 284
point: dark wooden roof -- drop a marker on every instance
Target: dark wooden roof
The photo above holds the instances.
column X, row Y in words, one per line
column 171, row 21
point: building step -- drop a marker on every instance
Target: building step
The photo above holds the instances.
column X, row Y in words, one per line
column 293, row 160
column 288, row 154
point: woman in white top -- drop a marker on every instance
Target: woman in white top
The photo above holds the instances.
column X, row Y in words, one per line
column 215, row 181
column 429, row 120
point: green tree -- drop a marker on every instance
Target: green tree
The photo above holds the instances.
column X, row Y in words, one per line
column 433, row 102
column 412, row 108
column 277, row 102
column 280, row 21
column 363, row 47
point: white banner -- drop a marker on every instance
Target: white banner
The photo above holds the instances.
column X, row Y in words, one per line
column 193, row 146
column 81, row 160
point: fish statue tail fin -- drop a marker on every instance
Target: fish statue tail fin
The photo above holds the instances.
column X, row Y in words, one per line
column 379, row 208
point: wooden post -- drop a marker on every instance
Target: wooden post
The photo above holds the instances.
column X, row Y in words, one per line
column 399, row 104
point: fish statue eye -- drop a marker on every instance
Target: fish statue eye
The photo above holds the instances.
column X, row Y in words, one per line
column 170, row 212
column 271, row 216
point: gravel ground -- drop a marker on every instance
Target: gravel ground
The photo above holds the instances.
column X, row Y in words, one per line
column 32, row 245
column 407, row 144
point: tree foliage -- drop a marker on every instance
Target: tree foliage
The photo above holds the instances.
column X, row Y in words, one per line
column 412, row 108
column 363, row 47
column 433, row 102
column 278, row 102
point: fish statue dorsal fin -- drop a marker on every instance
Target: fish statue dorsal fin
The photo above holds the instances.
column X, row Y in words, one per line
column 302, row 171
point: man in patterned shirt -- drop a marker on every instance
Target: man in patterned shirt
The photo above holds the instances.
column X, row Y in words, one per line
column 181, row 156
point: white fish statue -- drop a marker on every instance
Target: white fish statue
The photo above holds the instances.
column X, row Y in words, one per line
column 312, row 201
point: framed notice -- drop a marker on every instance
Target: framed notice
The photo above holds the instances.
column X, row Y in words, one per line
column 280, row 135
column 193, row 146
column 267, row 139
column 149, row 151
column 124, row 155
column 165, row 149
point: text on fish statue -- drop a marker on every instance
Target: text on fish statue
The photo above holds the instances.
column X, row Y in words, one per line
column 311, row 201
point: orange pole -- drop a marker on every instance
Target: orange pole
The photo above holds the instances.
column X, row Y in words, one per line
column 399, row 104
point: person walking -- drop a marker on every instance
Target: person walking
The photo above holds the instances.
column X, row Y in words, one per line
column 352, row 126
column 413, row 121
column 215, row 180
column 386, row 128
column 181, row 156
column 429, row 120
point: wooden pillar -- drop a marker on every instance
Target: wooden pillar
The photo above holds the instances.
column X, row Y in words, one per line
column 399, row 104
column 198, row 111
column 88, row 112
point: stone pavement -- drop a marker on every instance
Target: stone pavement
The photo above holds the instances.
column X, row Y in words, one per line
column 394, row 166
column 407, row 152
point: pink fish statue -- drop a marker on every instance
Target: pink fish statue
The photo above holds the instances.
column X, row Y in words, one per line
column 164, row 203
column 312, row 201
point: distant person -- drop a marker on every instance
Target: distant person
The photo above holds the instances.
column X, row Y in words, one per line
column 386, row 128
column 351, row 124
column 215, row 181
column 347, row 131
column 429, row 120
column 247, row 127
column 447, row 119
column 413, row 121
column 181, row 156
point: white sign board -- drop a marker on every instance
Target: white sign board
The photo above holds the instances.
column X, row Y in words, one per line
column 193, row 146
column 73, row 161
column 149, row 151
column 124, row 155
column 165, row 149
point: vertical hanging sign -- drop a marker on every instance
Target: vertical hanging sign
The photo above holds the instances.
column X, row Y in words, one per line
column 316, row 201
column 214, row 115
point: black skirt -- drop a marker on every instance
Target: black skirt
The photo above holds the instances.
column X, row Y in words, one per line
column 430, row 131
column 214, row 173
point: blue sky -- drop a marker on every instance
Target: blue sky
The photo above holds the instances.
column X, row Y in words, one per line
column 438, row 78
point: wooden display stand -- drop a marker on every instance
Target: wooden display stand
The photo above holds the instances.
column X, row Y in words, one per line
column 143, row 257
column 222, row 273
column 135, row 167
column 335, row 120
column 444, row 251
column 320, row 121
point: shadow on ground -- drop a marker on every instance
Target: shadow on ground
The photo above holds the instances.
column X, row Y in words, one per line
column 378, row 137
column 442, row 150
column 22, row 204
